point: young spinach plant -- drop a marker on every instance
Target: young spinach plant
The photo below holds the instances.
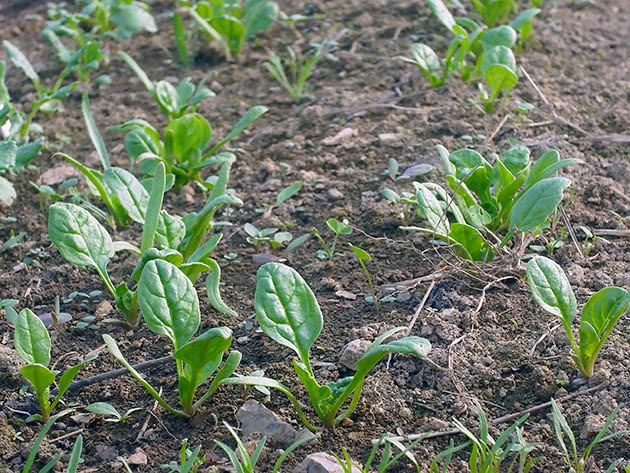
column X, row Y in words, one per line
column 32, row 343
column 339, row 229
column 487, row 201
column 551, row 290
column 170, row 307
column 288, row 313
column 230, row 23
column 363, row 257
column 245, row 462
column 578, row 462
column 182, row 241
column 174, row 102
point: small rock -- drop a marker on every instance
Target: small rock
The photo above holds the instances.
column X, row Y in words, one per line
column 321, row 462
column 216, row 86
column 335, row 194
column 256, row 418
column 10, row 366
column 344, row 136
column 57, row 175
column 103, row 308
column 352, row 352
column 389, row 138
column 406, row 413
column 346, row 295
column 106, row 453
column 138, row 458
column 592, row 425
column 435, row 424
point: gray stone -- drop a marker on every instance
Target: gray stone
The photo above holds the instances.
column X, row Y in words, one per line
column 335, row 194
column 257, row 419
column 352, row 352
column 321, row 462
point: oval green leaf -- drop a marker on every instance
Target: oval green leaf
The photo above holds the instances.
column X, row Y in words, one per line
column 169, row 302
column 537, row 203
column 286, row 308
column 550, row 288
column 31, row 339
column 79, row 237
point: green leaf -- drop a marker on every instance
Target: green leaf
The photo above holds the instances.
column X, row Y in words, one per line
column 203, row 354
column 7, row 192
column 361, row 254
column 472, row 242
column 132, row 19
column 21, row 62
column 67, row 377
column 259, row 16
column 442, row 13
column 550, row 288
column 95, row 135
column 75, row 457
column 8, row 153
column 516, row 159
column 212, row 289
column 39, row 376
column 288, row 192
column 286, row 309
column 251, row 115
column 538, row 202
column 128, row 192
column 31, row 339
column 339, row 228
column 503, row 35
column 599, row 317
column 191, row 133
column 79, row 237
column 169, row 302
column 500, row 78
column 151, row 215
column 170, row 230
column 429, row 207
column 104, row 409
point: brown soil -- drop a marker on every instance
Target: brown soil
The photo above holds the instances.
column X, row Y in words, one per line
column 502, row 349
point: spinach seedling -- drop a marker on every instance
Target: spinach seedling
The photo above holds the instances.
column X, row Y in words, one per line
column 46, row 97
column 109, row 412
column 189, row 460
column 494, row 11
column 32, row 343
column 339, row 229
column 174, row 102
column 230, row 23
column 109, row 19
column 75, row 455
column 83, row 241
column 288, row 313
column 578, row 462
column 515, row 194
column 523, row 24
column 362, row 258
column 184, row 148
column 245, row 462
column 487, row 454
column 551, row 290
column 293, row 72
column 170, row 307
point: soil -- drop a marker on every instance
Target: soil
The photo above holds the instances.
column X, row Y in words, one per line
column 491, row 343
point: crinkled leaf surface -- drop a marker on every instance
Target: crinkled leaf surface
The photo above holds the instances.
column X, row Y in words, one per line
column 286, row 308
column 79, row 237
column 31, row 338
column 169, row 302
column 550, row 288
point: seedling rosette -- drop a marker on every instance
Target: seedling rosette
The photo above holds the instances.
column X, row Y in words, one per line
column 551, row 290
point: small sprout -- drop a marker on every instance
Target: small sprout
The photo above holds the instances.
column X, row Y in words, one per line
column 363, row 257
column 339, row 229
column 109, row 412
